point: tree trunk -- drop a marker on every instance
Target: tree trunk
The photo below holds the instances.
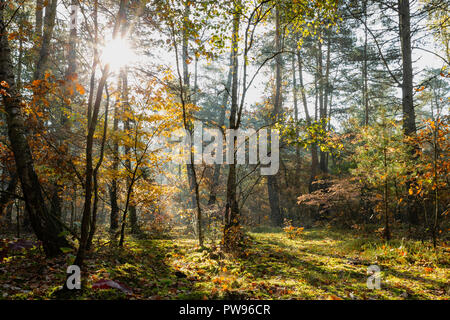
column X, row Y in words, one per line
column 272, row 180
column 365, row 70
column 221, row 122
column 39, row 16
column 95, row 173
column 387, row 233
column 409, row 118
column 114, row 217
column 72, row 47
column 323, row 98
column 127, row 203
column 435, row 230
column 73, row 206
column 55, row 201
column 186, row 98
column 89, row 171
column 295, row 91
column 314, row 155
column 44, row 50
column 231, row 217
column 20, row 58
column 126, row 106
column 86, row 217
column 71, row 71
column 41, row 64
column 7, row 197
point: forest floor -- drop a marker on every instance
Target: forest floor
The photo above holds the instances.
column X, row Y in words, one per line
column 321, row 264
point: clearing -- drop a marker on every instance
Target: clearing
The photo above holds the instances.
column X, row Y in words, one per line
column 320, row 264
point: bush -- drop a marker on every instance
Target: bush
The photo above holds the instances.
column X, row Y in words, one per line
column 291, row 231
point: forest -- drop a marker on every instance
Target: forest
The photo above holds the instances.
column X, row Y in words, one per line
column 224, row 150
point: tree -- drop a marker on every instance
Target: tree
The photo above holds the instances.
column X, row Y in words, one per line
column 231, row 233
column 409, row 117
column 93, row 112
column 381, row 158
column 46, row 226
column 272, row 181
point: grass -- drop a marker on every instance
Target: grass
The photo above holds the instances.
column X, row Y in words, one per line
column 321, row 264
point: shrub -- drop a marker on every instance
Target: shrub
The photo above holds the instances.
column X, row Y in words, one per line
column 291, row 231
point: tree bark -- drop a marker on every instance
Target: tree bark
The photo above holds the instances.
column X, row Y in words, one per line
column 221, row 122
column 365, row 70
column 6, row 198
column 295, row 92
column 95, row 174
column 409, row 118
column 314, row 155
column 113, row 189
column 44, row 50
column 272, row 180
column 39, row 17
column 126, row 106
column 186, row 99
column 231, row 216
column 323, row 98
column 114, row 216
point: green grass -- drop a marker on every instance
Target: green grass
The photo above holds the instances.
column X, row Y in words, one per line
column 321, row 264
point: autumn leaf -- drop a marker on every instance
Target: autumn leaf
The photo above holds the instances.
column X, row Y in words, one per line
column 12, row 36
column 80, row 89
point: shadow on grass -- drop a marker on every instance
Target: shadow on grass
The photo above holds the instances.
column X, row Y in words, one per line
column 268, row 262
column 141, row 266
column 266, row 229
column 278, row 259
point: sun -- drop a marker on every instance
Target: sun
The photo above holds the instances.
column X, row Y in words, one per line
column 118, row 54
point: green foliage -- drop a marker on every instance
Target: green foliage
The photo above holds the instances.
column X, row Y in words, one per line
column 307, row 136
column 380, row 154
